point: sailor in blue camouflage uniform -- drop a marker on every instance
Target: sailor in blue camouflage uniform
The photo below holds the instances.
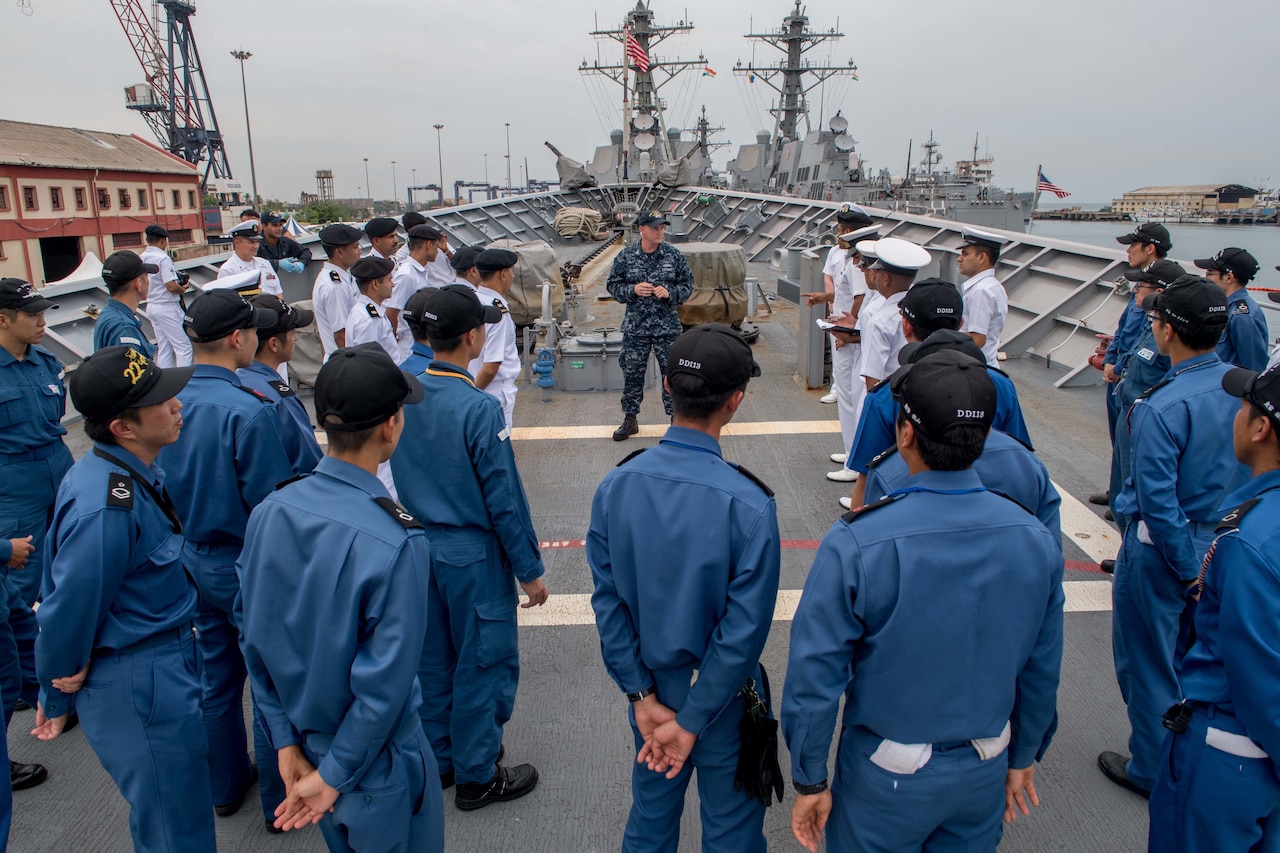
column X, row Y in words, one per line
column 1244, row 341
column 227, row 460
column 937, row 614
column 1217, row 786
column 33, row 400
column 652, row 279
column 276, row 344
column 1182, row 471
column 127, row 279
column 115, row 627
column 456, row 472
column 333, row 609
column 1142, row 368
column 709, row 612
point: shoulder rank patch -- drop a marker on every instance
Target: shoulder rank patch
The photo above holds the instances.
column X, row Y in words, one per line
column 632, row 455
column 372, row 309
column 262, row 398
column 280, row 485
column 498, row 304
column 753, row 478
column 400, row 514
column 881, row 456
column 1231, row 520
column 282, row 388
column 854, row 514
column 120, row 491
column 334, row 276
column 1242, row 307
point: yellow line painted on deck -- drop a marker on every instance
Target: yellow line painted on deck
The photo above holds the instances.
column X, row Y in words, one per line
column 565, row 609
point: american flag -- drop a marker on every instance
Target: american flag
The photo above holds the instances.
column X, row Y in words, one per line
column 1047, row 186
column 636, row 53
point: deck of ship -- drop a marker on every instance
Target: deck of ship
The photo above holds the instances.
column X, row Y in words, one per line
column 570, row 720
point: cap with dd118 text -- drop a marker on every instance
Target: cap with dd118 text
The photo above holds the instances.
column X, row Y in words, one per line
column 1190, row 303
column 217, row 313
column 360, row 387
column 944, row 391
column 714, row 353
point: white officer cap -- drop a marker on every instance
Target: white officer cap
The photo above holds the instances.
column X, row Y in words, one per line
column 866, row 248
column 900, row 256
column 974, row 237
column 867, row 234
column 249, row 228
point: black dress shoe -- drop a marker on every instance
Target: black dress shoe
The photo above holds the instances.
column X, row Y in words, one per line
column 1108, row 516
column 271, row 827
column 447, row 779
column 1114, row 766
column 629, row 428
column 1108, row 567
column 1100, row 498
column 21, row 706
column 23, row 776
column 508, row 783
column 228, row 809
column 73, row 720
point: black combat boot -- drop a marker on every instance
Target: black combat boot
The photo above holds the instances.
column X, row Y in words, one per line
column 629, row 428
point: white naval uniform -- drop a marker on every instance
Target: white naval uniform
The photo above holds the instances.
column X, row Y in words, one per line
column 409, row 277
column 846, row 378
column 882, row 338
column 500, row 346
column 402, row 254
column 164, row 310
column 986, row 306
column 332, row 296
column 366, row 323
column 439, row 271
column 269, row 283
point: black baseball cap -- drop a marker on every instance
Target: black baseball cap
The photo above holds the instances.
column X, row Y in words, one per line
column 1148, row 232
column 16, row 293
column 653, row 217
column 372, row 267
column 492, row 260
column 217, row 313
column 380, row 227
column 1232, row 260
column 117, row 378
column 155, row 231
column 943, row 339
column 714, row 353
column 1261, row 389
column 288, row 317
column 452, row 311
column 1161, row 273
column 340, row 234
column 271, row 218
column 464, row 259
column 933, row 303
column 125, row 266
column 425, row 232
column 360, row 387
column 1191, row 303
column 945, row 390
column 852, row 215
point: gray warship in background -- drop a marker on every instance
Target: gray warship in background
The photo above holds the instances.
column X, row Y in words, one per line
column 820, row 164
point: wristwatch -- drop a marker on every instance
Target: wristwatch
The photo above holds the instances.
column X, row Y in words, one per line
column 810, row 790
column 648, row 691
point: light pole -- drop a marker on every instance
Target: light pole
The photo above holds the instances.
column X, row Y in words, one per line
column 486, row 170
column 440, row 155
column 242, row 55
column 508, row 156
column 366, row 179
column 395, row 190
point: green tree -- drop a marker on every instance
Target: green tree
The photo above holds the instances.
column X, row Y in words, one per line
column 320, row 212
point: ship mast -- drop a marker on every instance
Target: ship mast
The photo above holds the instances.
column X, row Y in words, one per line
column 795, row 39
column 645, row 111
column 703, row 130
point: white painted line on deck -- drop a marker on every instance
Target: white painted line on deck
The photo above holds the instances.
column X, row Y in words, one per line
column 1086, row 529
column 555, row 433
column 565, row 609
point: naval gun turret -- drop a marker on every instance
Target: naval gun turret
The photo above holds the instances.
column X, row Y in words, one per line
column 573, row 175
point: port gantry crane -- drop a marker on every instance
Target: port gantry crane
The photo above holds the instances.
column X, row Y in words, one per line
column 174, row 100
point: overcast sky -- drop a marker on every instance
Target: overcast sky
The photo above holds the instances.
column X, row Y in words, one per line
column 1109, row 95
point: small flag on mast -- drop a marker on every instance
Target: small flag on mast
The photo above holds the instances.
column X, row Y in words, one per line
column 708, row 72
column 636, row 53
column 1044, row 185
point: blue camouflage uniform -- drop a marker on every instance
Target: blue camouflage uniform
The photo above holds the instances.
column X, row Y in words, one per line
column 878, row 430
column 34, row 459
column 888, row 619
column 117, row 325
column 456, row 472
column 1118, row 352
column 1144, row 368
column 333, row 607
column 1217, row 787
column 117, row 596
column 1006, row 466
column 708, row 611
column 650, row 323
column 296, row 431
column 419, row 357
column 1183, row 468
column 228, row 458
column 1244, row 340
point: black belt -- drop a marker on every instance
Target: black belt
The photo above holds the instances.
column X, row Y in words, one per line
column 151, row 642
column 43, row 452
